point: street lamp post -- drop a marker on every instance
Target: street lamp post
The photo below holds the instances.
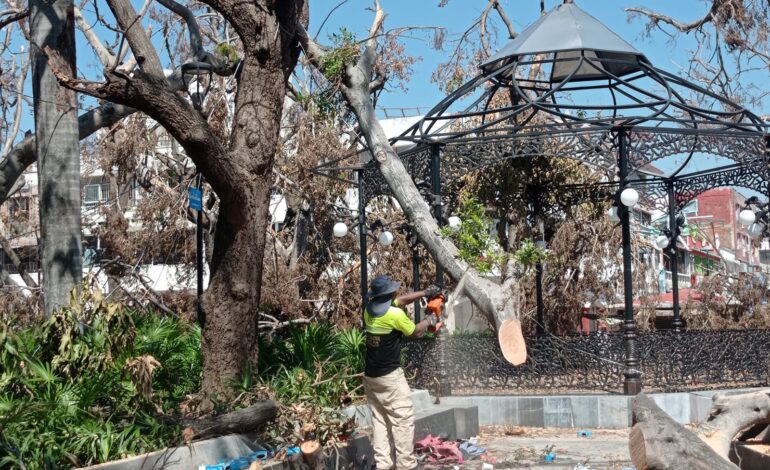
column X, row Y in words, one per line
column 628, row 198
column 195, row 71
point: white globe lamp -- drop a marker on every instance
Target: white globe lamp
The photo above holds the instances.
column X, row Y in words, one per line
column 661, row 241
column 612, row 214
column 455, row 222
column 629, row 197
column 386, row 238
column 340, row 229
column 746, row 217
column 755, row 230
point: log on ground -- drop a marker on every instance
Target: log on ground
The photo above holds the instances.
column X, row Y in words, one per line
column 239, row 421
column 657, row 442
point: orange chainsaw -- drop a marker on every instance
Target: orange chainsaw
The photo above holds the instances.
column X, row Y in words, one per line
column 436, row 306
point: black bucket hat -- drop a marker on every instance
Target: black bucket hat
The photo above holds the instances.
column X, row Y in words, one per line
column 380, row 295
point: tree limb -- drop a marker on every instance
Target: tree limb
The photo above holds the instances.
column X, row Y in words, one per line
column 14, row 17
column 137, row 38
column 11, row 136
column 682, row 27
column 511, row 30
column 11, row 254
column 368, row 58
column 105, row 56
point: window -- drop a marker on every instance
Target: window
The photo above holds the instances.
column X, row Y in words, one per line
column 96, row 193
column 642, row 218
column 164, row 142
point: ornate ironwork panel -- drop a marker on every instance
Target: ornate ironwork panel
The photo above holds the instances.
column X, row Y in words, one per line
column 417, row 165
column 670, row 361
column 647, row 146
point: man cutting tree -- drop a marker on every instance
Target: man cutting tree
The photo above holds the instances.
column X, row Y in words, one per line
column 385, row 386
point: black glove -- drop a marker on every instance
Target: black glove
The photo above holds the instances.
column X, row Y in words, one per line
column 432, row 291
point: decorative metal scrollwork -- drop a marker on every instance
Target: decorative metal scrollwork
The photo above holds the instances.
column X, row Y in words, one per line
column 670, row 362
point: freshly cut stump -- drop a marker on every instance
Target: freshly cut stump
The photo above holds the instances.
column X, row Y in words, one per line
column 511, row 341
column 312, row 454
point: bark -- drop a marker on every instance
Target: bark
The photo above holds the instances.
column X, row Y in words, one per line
column 240, row 421
column 657, row 442
column 52, row 27
column 731, row 414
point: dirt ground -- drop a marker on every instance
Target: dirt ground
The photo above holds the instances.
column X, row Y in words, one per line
column 521, row 447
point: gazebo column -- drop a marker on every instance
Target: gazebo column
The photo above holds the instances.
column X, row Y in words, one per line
column 633, row 380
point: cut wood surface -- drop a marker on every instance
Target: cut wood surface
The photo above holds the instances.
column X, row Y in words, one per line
column 312, row 454
column 511, row 342
column 239, row 421
column 731, row 414
column 657, row 442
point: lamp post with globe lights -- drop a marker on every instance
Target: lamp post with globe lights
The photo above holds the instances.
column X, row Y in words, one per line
column 197, row 71
column 668, row 243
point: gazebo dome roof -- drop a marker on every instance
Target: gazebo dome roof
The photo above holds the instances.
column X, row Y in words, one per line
column 568, row 33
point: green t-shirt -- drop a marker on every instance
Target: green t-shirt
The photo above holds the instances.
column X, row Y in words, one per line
column 384, row 336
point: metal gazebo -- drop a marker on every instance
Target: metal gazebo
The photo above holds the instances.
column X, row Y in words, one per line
column 569, row 87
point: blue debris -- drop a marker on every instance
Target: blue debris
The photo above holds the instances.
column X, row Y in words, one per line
column 291, row 451
column 584, row 433
column 550, row 456
column 243, row 462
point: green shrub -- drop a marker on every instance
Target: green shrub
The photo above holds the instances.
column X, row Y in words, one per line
column 475, row 244
column 68, row 397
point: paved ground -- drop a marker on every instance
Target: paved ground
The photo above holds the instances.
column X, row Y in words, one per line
column 519, row 447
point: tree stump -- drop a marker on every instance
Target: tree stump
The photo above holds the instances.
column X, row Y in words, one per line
column 312, row 454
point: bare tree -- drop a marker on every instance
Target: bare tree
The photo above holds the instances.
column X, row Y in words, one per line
column 731, row 42
column 238, row 168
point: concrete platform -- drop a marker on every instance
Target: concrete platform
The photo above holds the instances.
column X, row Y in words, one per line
column 583, row 411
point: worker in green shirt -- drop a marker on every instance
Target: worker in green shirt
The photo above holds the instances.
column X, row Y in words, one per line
column 387, row 391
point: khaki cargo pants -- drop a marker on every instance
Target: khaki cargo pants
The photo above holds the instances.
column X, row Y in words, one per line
column 393, row 416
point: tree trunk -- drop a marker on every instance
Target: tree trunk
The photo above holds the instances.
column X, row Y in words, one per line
column 56, row 124
column 494, row 300
column 657, row 442
column 231, row 302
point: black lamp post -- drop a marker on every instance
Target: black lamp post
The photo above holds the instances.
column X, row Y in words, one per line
column 196, row 71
